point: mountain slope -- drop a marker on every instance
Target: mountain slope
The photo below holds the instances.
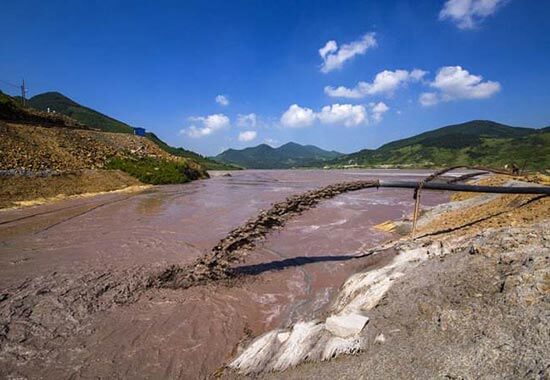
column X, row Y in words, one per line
column 12, row 110
column 205, row 162
column 286, row 156
column 58, row 102
column 61, row 104
column 478, row 142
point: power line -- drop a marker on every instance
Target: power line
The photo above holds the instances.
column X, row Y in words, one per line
column 22, row 87
column 9, row 83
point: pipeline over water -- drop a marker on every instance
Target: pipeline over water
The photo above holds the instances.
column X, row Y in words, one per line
column 216, row 265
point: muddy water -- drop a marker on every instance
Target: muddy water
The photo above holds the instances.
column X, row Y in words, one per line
column 190, row 333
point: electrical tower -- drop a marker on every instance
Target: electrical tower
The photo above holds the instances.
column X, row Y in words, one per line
column 23, row 92
column 21, row 87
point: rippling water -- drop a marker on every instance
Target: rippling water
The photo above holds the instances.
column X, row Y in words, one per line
column 192, row 332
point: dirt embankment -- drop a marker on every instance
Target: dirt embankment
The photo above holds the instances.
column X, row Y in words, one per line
column 62, row 149
column 18, row 191
column 40, row 163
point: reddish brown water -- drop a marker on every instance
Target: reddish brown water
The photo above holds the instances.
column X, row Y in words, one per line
column 189, row 333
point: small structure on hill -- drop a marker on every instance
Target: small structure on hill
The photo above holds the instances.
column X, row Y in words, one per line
column 138, row 131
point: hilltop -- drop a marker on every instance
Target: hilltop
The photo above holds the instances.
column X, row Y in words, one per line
column 59, row 103
column 290, row 155
column 477, row 142
column 12, row 110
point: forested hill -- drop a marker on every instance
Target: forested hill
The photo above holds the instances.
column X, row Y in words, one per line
column 477, row 142
column 290, row 155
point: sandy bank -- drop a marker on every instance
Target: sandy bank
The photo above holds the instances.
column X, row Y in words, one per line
column 21, row 191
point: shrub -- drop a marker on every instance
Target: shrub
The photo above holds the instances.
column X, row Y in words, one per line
column 155, row 171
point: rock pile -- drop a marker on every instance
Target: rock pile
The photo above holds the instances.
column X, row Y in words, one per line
column 26, row 148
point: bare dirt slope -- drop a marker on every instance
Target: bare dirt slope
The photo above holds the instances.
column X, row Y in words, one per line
column 64, row 149
column 38, row 163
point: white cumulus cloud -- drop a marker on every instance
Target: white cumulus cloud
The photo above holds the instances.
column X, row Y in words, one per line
column 247, row 121
column 206, row 125
column 347, row 115
column 385, row 82
column 343, row 114
column 222, row 100
column 454, row 83
column 467, row 14
column 378, row 110
column 247, row 136
column 334, row 57
column 428, row 99
column 298, row 117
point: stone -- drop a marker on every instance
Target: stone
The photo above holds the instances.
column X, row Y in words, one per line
column 346, row 325
column 380, row 338
column 283, row 336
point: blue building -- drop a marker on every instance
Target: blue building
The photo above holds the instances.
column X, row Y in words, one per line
column 139, row 131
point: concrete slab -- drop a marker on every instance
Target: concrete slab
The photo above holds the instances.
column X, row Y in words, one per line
column 346, row 325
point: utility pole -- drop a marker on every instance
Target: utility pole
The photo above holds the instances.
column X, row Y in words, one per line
column 23, row 92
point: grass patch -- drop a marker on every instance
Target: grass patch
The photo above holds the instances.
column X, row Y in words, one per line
column 155, row 171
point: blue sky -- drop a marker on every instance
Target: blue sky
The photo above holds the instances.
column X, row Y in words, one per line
column 388, row 69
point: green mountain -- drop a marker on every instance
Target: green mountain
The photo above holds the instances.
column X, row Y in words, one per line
column 290, row 155
column 61, row 104
column 477, row 142
column 12, row 109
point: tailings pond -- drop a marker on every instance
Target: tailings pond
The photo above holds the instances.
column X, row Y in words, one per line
column 72, row 247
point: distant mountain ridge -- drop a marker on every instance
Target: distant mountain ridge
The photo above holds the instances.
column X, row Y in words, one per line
column 477, row 142
column 61, row 104
column 290, row 155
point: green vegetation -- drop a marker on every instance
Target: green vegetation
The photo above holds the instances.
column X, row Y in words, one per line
column 156, row 171
column 290, row 155
column 205, row 162
column 61, row 104
column 475, row 143
column 9, row 108
column 12, row 109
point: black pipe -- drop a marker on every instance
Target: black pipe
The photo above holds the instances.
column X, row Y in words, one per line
column 467, row 188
